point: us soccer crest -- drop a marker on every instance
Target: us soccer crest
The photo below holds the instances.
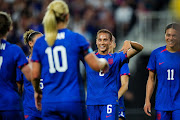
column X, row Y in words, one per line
column 110, row 61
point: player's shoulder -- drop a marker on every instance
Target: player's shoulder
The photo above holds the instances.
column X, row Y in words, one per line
column 40, row 39
column 77, row 35
column 117, row 54
column 159, row 50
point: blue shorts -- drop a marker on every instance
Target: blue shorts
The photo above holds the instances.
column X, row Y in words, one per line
column 102, row 112
column 168, row 115
column 64, row 111
column 11, row 115
column 122, row 115
column 29, row 117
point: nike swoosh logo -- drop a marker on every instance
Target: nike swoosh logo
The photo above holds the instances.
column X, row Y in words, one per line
column 161, row 63
column 108, row 116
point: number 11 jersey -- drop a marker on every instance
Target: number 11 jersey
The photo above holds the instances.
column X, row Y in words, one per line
column 167, row 67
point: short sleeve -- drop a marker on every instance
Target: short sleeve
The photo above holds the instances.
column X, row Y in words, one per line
column 124, row 69
column 20, row 57
column 85, row 47
column 123, row 57
column 152, row 62
column 19, row 75
column 35, row 54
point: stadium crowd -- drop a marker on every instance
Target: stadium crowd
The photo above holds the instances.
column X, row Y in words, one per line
column 87, row 16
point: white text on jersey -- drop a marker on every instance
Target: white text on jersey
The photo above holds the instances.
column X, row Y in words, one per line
column 61, row 35
column 2, row 46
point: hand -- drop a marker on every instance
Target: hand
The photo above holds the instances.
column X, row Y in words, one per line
column 126, row 46
column 147, row 108
column 38, row 98
column 104, row 65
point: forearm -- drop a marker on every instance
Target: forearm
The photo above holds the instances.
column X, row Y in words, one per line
column 26, row 70
column 124, row 85
column 35, row 82
column 133, row 48
column 95, row 63
column 149, row 88
column 122, row 90
column 36, row 75
column 137, row 46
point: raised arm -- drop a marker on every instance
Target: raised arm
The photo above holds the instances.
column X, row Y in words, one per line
column 131, row 48
column 97, row 64
column 149, row 91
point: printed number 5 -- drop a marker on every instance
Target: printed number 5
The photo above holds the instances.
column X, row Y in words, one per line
column 41, row 84
column 1, row 61
column 109, row 109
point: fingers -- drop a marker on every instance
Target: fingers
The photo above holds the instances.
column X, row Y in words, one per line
column 147, row 110
column 121, row 49
column 38, row 105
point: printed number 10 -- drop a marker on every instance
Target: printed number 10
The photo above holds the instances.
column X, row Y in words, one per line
column 53, row 54
column 170, row 74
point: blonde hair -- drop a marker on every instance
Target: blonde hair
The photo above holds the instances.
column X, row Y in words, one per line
column 56, row 13
column 29, row 35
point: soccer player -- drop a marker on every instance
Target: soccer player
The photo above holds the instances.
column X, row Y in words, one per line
column 30, row 111
column 102, row 90
column 122, row 83
column 164, row 62
column 11, row 58
column 56, row 55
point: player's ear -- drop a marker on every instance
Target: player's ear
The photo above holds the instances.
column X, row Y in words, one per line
column 114, row 45
column 30, row 43
column 96, row 41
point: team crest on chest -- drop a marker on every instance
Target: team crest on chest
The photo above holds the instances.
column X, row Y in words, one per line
column 110, row 61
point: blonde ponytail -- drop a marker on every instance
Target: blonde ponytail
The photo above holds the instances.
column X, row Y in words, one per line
column 53, row 16
column 50, row 25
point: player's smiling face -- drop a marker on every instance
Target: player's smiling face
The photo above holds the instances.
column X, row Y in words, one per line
column 171, row 37
column 103, row 41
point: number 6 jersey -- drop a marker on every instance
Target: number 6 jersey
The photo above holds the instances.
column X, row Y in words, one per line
column 60, row 66
column 167, row 67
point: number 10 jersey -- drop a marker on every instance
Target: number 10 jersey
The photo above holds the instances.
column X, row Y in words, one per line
column 60, row 66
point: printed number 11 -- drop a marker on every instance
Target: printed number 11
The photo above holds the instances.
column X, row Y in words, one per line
column 170, row 74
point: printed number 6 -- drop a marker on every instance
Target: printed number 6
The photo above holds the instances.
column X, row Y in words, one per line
column 101, row 73
column 109, row 109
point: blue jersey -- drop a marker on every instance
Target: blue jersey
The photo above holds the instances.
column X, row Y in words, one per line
column 102, row 88
column 167, row 67
column 123, row 71
column 28, row 96
column 60, row 66
column 11, row 57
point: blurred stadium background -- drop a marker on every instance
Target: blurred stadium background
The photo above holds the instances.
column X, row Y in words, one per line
column 138, row 20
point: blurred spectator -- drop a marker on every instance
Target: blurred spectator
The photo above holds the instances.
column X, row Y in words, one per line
column 123, row 15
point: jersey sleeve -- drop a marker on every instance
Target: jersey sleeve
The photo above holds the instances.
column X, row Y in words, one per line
column 85, row 47
column 152, row 62
column 19, row 75
column 20, row 57
column 123, row 57
column 35, row 54
column 124, row 69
